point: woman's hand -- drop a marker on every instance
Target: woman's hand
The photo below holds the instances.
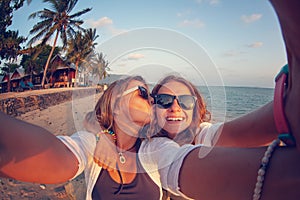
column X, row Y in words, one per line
column 105, row 154
column 289, row 18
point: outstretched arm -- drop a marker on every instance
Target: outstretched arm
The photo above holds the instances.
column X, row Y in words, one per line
column 32, row 154
column 230, row 173
column 215, row 173
column 256, row 128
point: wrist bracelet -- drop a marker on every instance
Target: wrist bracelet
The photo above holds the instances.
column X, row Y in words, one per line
column 113, row 135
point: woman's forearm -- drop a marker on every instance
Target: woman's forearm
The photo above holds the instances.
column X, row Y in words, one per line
column 231, row 173
column 253, row 129
column 31, row 153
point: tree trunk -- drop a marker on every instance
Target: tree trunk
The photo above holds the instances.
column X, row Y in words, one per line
column 8, row 83
column 76, row 73
column 48, row 60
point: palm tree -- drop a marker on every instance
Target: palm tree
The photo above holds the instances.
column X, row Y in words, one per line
column 80, row 47
column 10, row 47
column 97, row 66
column 34, row 58
column 56, row 21
column 100, row 66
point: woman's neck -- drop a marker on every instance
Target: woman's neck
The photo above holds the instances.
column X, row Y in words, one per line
column 125, row 139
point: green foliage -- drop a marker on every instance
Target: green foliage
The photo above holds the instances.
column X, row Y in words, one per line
column 6, row 9
column 36, row 58
column 80, row 47
column 10, row 41
column 9, row 67
column 57, row 21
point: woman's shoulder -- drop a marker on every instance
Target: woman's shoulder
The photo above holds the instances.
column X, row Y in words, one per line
column 156, row 142
column 81, row 138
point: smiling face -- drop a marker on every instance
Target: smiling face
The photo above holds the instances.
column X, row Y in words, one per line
column 174, row 119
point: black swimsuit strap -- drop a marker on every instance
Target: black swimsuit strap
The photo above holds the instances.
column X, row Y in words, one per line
column 121, row 179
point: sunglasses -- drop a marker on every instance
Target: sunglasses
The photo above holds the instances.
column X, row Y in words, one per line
column 143, row 92
column 164, row 101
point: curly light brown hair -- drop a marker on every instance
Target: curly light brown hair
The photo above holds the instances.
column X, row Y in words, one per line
column 200, row 113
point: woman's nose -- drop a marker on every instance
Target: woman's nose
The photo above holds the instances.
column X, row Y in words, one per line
column 175, row 106
column 151, row 100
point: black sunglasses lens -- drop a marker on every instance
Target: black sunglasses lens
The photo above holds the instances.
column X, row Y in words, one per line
column 186, row 102
column 143, row 92
column 164, row 100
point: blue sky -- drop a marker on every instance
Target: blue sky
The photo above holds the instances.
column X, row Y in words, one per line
column 241, row 38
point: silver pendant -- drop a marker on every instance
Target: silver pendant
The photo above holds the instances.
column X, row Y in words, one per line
column 122, row 158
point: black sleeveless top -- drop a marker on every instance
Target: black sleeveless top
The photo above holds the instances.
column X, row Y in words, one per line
column 142, row 187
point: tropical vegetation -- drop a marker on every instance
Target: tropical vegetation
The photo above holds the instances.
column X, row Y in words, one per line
column 10, row 41
column 80, row 47
column 56, row 22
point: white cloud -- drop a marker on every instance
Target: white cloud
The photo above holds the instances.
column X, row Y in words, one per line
column 233, row 53
column 255, row 45
column 184, row 13
column 211, row 2
column 179, row 14
column 135, row 56
column 115, row 31
column 104, row 21
column 196, row 23
column 251, row 18
column 106, row 24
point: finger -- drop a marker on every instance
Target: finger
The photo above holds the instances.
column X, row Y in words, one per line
column 98, row 162
column 110, row 166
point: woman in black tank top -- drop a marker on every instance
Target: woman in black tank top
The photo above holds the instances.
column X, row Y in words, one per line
column 122, row 111
column 141, row 187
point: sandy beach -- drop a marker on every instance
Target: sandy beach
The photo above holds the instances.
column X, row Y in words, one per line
column 63, row 119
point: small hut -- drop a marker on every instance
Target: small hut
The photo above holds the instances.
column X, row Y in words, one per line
column 1, row 77
column 16, row 78
column 4, row 82
column 62, row 73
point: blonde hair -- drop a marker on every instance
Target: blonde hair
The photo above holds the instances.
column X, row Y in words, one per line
column 200, row 113
column 102, row 117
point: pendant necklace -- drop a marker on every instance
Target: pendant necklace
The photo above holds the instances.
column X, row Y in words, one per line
column 122, row 158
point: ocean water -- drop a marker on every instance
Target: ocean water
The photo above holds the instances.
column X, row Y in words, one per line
column 226, row 103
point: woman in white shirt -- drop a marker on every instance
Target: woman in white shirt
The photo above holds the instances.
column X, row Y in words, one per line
column 32, row 154
column 201, row 172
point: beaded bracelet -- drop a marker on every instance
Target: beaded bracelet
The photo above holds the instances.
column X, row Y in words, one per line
column 263, row 168
column 113, row 135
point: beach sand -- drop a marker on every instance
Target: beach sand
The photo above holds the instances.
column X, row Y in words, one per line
column 63, row 119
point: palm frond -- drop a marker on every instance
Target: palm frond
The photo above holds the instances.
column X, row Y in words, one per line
column 80, row 13
column 71, row 5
